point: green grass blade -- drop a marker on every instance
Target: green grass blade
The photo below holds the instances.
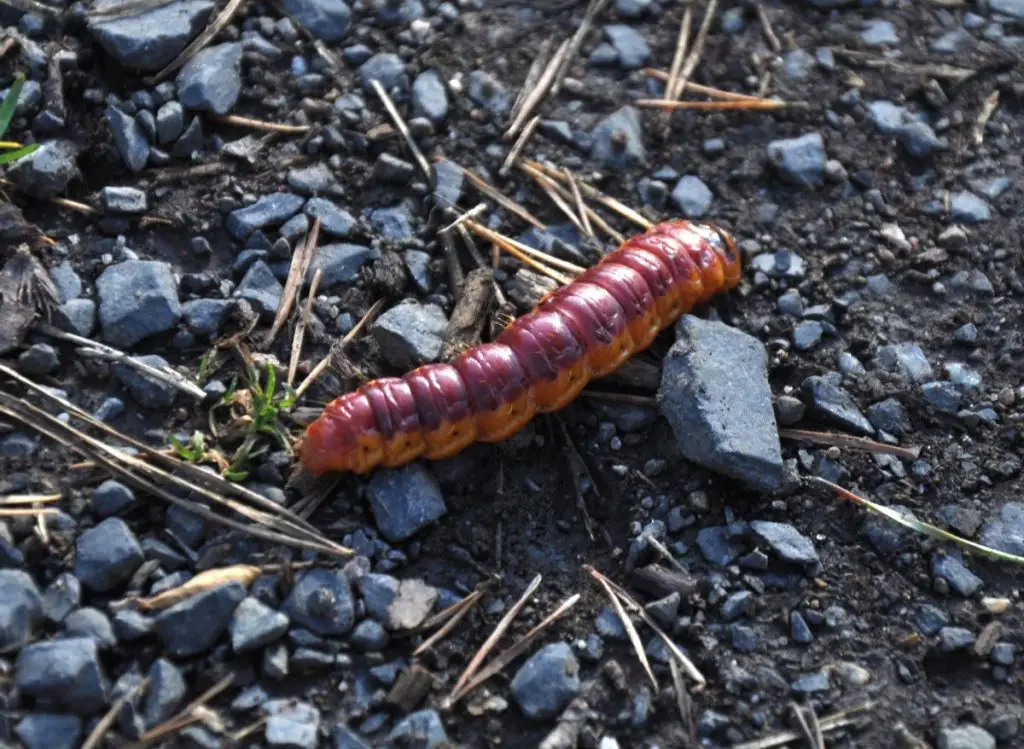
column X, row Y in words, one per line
column 10, row 102
column 9, row 156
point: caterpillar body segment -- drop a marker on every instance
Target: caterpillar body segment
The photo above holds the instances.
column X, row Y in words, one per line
column 539, row 363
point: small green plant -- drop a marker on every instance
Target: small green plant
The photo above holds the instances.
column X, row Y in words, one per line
column 263, row 405
column 194, row 451
column 10, row 150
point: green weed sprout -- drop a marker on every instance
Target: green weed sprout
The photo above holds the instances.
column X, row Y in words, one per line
column 9, row 150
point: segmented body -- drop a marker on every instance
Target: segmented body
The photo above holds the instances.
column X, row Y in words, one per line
column 539, row 363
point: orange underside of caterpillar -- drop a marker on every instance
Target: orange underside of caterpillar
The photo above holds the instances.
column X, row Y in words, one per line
column 539, row 363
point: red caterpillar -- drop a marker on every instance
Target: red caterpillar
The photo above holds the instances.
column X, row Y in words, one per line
column 539, row 363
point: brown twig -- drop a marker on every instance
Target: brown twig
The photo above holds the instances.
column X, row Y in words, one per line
column 103, row 724
column 497, row 196
column 301, row 325
column 679, row 57
column 29, row 499
column 766, row 27
column 592, row 192
column 322, row 365
column 188, row 716
column 697, row 88
column 828, row 723
column 532, row 77
column 540, row 90
column 74, row 205
column 948, row 72
column 524, row 254
column 697, row 52
column 594, row 9
column 465, row 606
column 569, row 194
column 759, row 105
column 683, row 702
column 631, row 632
column 854, row 443
column 26, row 512
column 520, row 144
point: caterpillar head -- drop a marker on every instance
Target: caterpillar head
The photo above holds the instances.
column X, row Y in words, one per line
column 344, row 439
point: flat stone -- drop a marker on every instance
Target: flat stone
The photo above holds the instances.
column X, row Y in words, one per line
column 47, row 171
column 410, row 334
column 404, row 500
column 65, row 675
column 397, row 605
column 129, row 139
column 830, row 403
column 545, row 684
column 206, row 316
column 340, row 263
column 327, row 19
column 193, row 626
column 60, row 598
column 951, row 568
column 292, row 724
column 393, row 222
column 430, row 97
column 129, row 200
column 261, row 289
column 1006, row 531
column 270, row 210
column 630, row 46
column 384, row 67
column 486, row 91
column 334, row 221
column 107, row 555
column 321, row 601
column 786, row 541
column 906, row 358
column 166, row 693
column 255, row 625
column 21, row 609
column 967, row 737
column 714, row 393
column 137, row 299
column 692, row 196
column 91, row 623
column 212, row 80
column 147, row 391
column 49, row 731
column 619, row 140
column 149, row 40
column 801, row 160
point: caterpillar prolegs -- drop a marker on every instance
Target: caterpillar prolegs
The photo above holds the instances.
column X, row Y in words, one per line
column 539, row 363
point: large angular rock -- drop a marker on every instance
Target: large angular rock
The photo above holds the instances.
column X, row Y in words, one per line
column 64, row 675
column 327, row 19
column 149, row 40
column 340, row 263
column 714, row 393
column 21, row 609
column 138, row 299
column 405, row 500
column 410, row 334
column 321, row 601
column 619, row 140
column 212, row 80
column 546, row 683
column 107, row 555
column 193, row 626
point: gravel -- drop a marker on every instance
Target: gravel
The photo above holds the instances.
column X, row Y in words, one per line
column 322, row 602
column 398, row 605
column 137, row 299
column 966, row 737
column 107, row 555
column 49, row 731
column 21, row 609
column 147, row 391
column 404, row 501
column 63, row 675
column 546, row 683
column 194, row 625
column 410, row 334
column 255, row 625
column 149, row 40
column 166, row 692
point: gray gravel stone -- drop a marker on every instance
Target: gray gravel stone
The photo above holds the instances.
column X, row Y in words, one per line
column 430, row 97
column 546, row 683
column 327, row 19
column 889, row 416
column 333, row 220
column 129, row 139
column 21, row 609
column 393, row 222
column 800, row 160
column 270, row 210
column 149, row 40
column 292, row 724
column 91, row 623
column 64, row 675
column 166, row 692
column 340, row 263
column 410, row 334
column 137, row 299
column 879, row 33
column 321, row 601
column 255, row 625
column 369, row 635
column 107, row 555
column 1006, row 532
column 212, row 80
column 386, row 67
column 967, row 737
column 60, row 598
column 945, row 396
column 629, row 44
column 619, row 140
column 830, row 403
column 422, row 729
column 397, row 605
column 449, row 182
column 951, row 568
column 343, row 737
column 206, row 316
column 261, row 289
column 80, row 315
column 486, row 91
column 714, row 393
column 786, row 541
column 314, row 179
column 46, row 172
column 1011, row 8
column 49, row 731
column 967, row 208
column 692, row 196
column 170, row 122
column 906, row 358
column 405, row 500
column 65, row 278
column 147, row 391
column 193, row 626
column 129, row 200
column 38, row 359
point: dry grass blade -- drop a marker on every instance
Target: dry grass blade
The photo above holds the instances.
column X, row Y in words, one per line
column 300, row 327
column 246, row 731
column 28, row 512
column 697, row 52
column 73, row 205
column 491, row 641
column 274, row 530
column 987, row 110
column 540, row 90
column 536, row 259
column 103, row 724
column 594, row 9
column 564, row 207
column 297, row 272
column 686, row 663
column 532, row 77
column 627, row 622
column 204, row 581
column 160, row 458
column 829, row 723
column 189, row 715
column 502, row 660
column 751, row 105
column 581, row 207
column 766, row 27
column 498, row 197
column 464, row 607
column 683, row 702
column 666, row 554
column 941, row 70
column 592, row 192
column 679, row 57
column 925, row 529
column 808, row 732
column 29, row 499
column 223, row 19
column 697, row 88
column 847, row 440
column 517, row 149
column 570, row 194
column 445, row 614
column 322, row 365
column 261, row 125
column 109, row 353
column 396, row 118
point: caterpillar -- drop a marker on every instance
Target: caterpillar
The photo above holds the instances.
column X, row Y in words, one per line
column 539, row 363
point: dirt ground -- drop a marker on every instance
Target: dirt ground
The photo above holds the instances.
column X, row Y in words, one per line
column 511, row 509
